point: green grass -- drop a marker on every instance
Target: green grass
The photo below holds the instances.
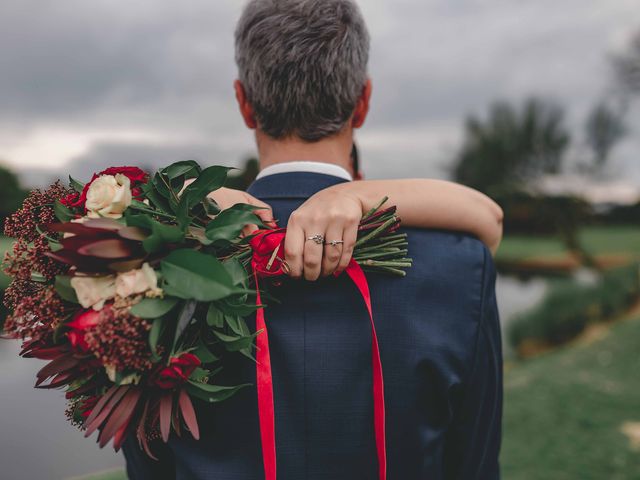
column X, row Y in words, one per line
column 5, row 244
column 564, row 411
column 622, row 239
column 109, row 475
column 596, row 240
column 516, row 247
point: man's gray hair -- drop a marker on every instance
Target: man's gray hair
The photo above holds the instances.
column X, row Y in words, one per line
column 303, row 64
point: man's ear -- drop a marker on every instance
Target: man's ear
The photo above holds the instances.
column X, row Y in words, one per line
column 246, row 110
column 362, row 107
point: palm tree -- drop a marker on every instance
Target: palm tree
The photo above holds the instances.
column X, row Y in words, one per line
column 512, row 146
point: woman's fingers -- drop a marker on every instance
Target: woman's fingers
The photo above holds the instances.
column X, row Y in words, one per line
column 294, row 249
column 332, row 251
column 264, row 212
column 349, row 236
column 313, row 251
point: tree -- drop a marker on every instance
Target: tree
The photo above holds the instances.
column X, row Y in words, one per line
column 11, row 192
column 604, row 128
column 512, row 146
column 627, row 66
column 245, row 176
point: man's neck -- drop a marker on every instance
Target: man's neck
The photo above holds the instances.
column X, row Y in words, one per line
column 335, row 150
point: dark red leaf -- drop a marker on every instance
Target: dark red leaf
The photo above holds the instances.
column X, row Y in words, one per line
column 56, row 366
column 175, row 421
column 109, row 249
column 106, row 411
column 59, row 380
column 133, row 233
column 189, row 414
column 101, row 403
column 83, row 263
column 120, row 415
column 126, row 265
column 77, row 229
column 141, row 431
column 166, row 405
column 103, row 224
column 76, row 242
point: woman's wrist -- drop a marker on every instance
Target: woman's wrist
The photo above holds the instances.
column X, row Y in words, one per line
column 355, row 192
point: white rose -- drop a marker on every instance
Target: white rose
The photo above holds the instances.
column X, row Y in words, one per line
column 108, row 196
column 92, row 292
column 137, row 281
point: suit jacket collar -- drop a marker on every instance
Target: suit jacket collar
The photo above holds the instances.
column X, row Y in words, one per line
column 292, row 185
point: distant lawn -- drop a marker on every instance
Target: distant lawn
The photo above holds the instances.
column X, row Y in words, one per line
column 596, row 240
column 109, row 475
column 517, row 247
column 565, row 411
column 5, row 244
column 611, row 240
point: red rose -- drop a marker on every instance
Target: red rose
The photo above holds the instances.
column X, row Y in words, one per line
column 82, row 321
column 134, row 174
column 264, row 244
column 178, row 372
column 71, row 200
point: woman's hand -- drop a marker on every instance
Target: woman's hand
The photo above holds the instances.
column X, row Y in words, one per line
column 333, row 214
column 228, row 197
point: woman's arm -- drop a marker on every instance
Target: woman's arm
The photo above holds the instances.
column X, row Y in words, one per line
column 335, row 212
column 427, row 203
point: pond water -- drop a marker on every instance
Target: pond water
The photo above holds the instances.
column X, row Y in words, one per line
column 37, row 443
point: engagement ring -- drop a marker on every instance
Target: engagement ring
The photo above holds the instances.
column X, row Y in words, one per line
column 335, row 243
column 318, row 239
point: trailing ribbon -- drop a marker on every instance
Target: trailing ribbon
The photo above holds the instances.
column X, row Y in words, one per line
column 266, row 263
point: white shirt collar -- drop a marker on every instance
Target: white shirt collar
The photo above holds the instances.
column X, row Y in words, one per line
column 306, row 166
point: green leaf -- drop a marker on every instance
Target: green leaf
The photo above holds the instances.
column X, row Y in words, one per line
column 234, row 343
column 186, row 168
column 62, row 212
column 199, row 374
column 151, row 308
column 210, row 179
column 65, row 290
column 190, row 274
column 76, row 185
column 161, row 234
column 238, row 325
column 212, row 393
column 158, row 201
column 184, row 319
column 215, row 318
column 239, row 274
column 230, row 222
column 238, row 306
column 157, row 328
column 204, row 354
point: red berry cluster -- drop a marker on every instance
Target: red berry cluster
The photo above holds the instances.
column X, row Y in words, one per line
column 37, row 210
column 121, row 340
column 35, row 317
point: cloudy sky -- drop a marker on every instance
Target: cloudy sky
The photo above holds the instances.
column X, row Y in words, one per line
column 89, row 83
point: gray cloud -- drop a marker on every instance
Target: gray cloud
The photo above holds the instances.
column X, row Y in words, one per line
column 99, row 68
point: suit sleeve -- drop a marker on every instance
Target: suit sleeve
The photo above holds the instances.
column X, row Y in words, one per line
column 473, row 442
column 141, row 467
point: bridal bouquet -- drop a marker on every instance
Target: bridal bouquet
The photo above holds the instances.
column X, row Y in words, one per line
column 135, row 288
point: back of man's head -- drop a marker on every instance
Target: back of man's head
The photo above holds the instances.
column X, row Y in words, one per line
column 303, row 64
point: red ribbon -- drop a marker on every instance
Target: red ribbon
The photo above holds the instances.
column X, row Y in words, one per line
column 266, row 245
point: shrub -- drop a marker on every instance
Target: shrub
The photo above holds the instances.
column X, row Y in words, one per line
column 569, row 307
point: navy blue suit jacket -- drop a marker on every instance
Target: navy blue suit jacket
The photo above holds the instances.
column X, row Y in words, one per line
column 439, row 337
